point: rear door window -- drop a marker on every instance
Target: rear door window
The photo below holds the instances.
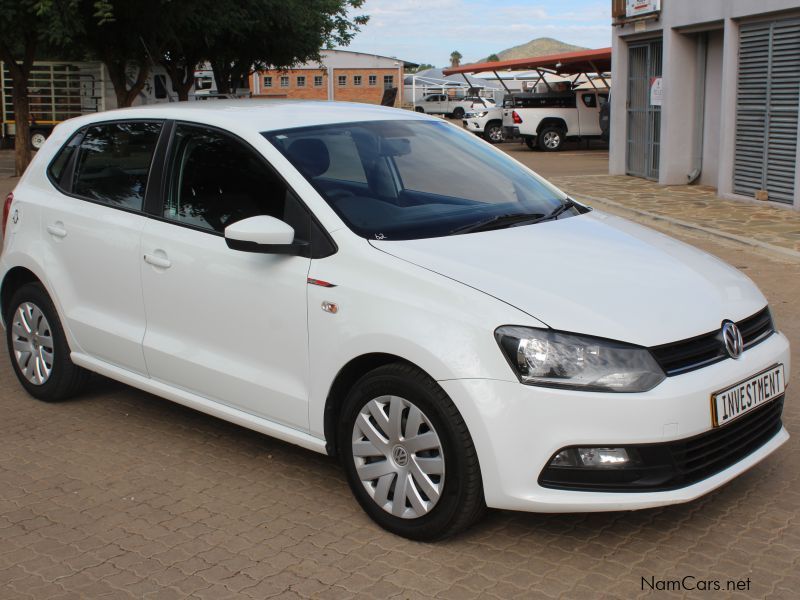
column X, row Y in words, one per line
column 114, row 161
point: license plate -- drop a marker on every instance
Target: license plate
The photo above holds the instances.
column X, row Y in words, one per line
column 729, row 404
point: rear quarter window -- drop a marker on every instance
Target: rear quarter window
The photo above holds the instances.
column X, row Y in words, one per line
column 58, row 171
column 113, row 163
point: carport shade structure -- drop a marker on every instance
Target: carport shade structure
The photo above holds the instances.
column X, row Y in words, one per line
column 564, row 64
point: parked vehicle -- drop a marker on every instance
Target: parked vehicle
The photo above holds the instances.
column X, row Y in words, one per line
column 62, row 90
column 383, row 287
column 546, row 120
column 486, row 121
column 442, row 104
column 605, row 119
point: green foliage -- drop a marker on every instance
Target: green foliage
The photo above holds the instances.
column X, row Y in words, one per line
column 492, row 58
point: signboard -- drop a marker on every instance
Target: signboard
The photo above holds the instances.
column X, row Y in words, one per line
column 637, row 8
column 656, row 91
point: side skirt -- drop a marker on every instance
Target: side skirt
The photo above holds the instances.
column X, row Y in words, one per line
column 210, row 407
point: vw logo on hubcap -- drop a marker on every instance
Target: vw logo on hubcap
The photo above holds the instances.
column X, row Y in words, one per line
column 400, row 456
column 733, row 339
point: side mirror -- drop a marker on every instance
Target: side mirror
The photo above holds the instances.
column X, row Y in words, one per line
column 266, row 235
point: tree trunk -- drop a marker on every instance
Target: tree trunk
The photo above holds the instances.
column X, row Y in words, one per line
column 22, row 126
column 222, row 75
column 119, row 79
column 20, row 73
column 182, row 77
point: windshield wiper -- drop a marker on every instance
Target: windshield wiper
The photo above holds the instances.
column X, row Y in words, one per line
column 558, row 210
column 498, row 222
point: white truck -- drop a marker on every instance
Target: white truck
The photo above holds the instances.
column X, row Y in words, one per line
column 442, row 104
column 545, row 120
column 485, row 121
column 58, row 91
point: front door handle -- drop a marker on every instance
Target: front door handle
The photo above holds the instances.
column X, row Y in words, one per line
column 57, row 230
column 158, row 259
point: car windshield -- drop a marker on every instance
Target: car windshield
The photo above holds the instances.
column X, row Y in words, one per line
column 400, row 180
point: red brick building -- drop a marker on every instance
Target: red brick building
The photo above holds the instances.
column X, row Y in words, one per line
column 342, row 75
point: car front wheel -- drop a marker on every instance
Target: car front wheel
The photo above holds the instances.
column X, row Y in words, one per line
column 494, row 133
column 409, row 458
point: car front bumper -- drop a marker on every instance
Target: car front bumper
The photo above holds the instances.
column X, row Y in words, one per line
column 518, row 428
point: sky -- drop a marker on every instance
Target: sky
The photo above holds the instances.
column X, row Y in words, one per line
column 427, row 31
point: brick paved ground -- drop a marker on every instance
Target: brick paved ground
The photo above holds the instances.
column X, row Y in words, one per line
column 121, row 494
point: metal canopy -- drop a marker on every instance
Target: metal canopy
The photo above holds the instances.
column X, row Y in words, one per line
column 567, row 63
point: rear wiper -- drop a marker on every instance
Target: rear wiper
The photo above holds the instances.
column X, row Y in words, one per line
column 498, row 222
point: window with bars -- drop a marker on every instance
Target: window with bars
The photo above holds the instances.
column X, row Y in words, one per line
column 267, row 81
column 317, row 80
column 388, row 81
column 285, row 81
column 373, row 79
column 342, row 80
column 301, row 81
column 356, row 79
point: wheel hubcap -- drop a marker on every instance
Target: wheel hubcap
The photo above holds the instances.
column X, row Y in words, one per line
column 495, row 134
column 551, row 140
column 398, row 457
column 32, row 341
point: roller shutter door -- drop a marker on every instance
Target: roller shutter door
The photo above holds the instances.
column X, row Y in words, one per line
column 767, row 109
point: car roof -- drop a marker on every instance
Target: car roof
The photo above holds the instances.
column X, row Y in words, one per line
column 256, row 114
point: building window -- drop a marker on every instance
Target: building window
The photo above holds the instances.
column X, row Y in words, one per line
column 388, row 81
column 342, row 80
column 301, row 81
column 356, row 79
column 373, row 80
column 317, row 80
column 267, row 81
column 284, row 81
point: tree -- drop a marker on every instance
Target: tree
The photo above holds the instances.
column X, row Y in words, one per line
column 455, row 59
column 418, row 68
column 27, row 28
column 492, row 58
column 277, row 34
column 122, row 34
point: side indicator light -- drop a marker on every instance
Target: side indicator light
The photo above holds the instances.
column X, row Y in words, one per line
column 330, row 307
column 320, row 282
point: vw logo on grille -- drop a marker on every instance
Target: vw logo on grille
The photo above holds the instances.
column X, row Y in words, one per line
column 733, row 339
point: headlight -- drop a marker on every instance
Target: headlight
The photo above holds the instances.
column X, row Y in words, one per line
column 565, row 360
column 481, row 114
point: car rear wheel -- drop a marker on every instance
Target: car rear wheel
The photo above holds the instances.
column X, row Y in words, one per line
column 38, row 347
column 494, row 133
column 550, row 139
column 409, row 458
column 419, row 109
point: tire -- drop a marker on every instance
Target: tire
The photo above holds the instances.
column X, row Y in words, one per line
column 550, row 139
column 31, row 311
column 458, row 113
column 37, row 139
column 493, row 133
column 530, row 142
column 419, row 109
column 453, row 470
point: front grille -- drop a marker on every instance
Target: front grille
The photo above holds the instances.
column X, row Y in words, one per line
column 673, row 465
column 698, row 352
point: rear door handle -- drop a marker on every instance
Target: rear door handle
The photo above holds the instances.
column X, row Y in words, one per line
column 158, row 260
column 57, row 230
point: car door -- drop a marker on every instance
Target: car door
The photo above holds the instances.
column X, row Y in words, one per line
column 92, row 226
column 227, row 325
column 589, row 114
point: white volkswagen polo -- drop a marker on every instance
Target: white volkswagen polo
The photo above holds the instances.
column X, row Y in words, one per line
column 384, row 287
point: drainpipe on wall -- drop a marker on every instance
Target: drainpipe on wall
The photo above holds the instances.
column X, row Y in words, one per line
column 699, row 108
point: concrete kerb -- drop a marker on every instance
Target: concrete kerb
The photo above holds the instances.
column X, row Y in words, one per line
column 784, row 252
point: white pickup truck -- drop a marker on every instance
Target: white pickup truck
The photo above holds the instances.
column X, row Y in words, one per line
column 545, row 120
column 442, row 104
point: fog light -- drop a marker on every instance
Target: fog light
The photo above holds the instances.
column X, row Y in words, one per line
column 604, row 457
column 595, row 458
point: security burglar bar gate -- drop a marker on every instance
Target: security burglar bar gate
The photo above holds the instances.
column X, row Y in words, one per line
column 644, row 119
column 767, row 109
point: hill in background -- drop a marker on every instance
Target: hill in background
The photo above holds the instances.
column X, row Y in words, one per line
column 538, row 47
